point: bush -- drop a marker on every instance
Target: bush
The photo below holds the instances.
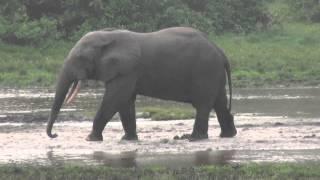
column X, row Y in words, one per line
column 237, row 15
column 24, row 21
column 306, row 9
column 18, row 28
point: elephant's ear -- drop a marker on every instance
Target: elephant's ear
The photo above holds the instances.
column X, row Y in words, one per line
column 118, row 58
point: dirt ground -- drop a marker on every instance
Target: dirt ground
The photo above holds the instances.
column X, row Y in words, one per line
column 259, row 139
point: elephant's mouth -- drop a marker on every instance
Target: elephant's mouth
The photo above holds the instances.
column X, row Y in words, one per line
column 74, row 89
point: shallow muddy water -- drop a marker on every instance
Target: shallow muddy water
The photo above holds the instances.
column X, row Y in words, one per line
column 273, row 125
column 285, row 102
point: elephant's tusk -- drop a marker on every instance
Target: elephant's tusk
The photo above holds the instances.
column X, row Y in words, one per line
column 73, row 93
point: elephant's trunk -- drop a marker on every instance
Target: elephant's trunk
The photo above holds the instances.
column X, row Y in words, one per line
column 63, row 85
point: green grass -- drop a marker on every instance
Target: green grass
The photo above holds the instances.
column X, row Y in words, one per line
column 31, row 66
column 286, row 54
column 243, row 171
column 167, row 113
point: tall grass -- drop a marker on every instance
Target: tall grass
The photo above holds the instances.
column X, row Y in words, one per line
column 31, row 66
column 287, row 54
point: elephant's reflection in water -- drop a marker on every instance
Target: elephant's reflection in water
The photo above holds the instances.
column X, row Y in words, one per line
column 56, row 160
column 213, row 157
column 124, row 159
column 133, row 159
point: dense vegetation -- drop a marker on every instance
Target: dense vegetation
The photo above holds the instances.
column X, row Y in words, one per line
column 306, row 9
column 31, row 21
column 244, row 171
column 268, row 42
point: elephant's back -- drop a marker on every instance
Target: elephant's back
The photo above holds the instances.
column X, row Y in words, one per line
column 178, row 34
column 176, row 45
column 180, row 31
column 170, row 59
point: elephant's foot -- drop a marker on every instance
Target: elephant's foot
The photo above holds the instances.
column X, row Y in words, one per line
column 128, row 137
column 228, row 133
column 194, row 137
column 198, row 137
column 228, row 129
column 93, row 137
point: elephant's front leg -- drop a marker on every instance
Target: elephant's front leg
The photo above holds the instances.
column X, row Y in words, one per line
column 200, row 128
column 118, row 92
column 128, row 119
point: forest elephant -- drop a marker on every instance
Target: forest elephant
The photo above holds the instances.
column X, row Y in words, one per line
column 178, row 64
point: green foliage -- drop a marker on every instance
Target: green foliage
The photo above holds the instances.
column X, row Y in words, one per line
column 34, row 21
column 306, row 9
column 237, row 15
column 16, row 27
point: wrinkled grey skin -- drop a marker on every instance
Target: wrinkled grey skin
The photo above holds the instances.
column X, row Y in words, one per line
column 178, row 64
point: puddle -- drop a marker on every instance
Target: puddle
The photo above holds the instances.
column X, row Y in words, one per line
column 274, row 125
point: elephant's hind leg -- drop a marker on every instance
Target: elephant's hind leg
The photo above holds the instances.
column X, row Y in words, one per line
column 128, row 119
column 224, row 116
column 118, row 92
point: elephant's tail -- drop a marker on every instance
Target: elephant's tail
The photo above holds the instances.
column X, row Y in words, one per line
column 228, row 71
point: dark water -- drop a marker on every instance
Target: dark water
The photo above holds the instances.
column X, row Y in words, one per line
column 286, row 102
column 290, row 102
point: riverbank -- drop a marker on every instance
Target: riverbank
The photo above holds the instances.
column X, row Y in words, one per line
column 285, row 55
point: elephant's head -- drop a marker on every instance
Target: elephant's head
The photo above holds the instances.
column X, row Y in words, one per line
column 99, row 55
